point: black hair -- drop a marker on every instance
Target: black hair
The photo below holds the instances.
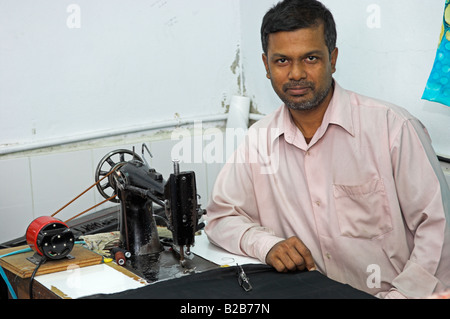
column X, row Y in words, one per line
column 291, row 15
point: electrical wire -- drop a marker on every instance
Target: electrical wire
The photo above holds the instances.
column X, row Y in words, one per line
column 8, row 284
column 2, row 272
column 30, row 287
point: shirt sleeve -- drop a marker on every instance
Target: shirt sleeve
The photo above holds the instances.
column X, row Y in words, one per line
column 233, row 221
column 423, row 195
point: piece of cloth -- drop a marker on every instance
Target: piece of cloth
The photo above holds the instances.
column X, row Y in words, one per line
column 438, row 84
column 367, row 196
column 222, row 283
column 101, row 243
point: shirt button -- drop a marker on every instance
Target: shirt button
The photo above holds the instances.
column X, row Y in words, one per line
column 328, row 255
column 317, row 203
column 308, row 153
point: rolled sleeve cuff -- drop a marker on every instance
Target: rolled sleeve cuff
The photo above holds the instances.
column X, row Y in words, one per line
column 258, row 245
column 415, row 281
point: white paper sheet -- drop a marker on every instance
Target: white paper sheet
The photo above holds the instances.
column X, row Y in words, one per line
column 217, row 255
column 79, row 282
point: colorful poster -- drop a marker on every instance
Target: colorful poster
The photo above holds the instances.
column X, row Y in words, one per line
column 438, row 85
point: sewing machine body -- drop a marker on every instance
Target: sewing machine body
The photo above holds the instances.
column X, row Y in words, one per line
column 138, row 188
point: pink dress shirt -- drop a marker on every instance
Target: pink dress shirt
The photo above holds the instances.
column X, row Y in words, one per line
column 367, row 196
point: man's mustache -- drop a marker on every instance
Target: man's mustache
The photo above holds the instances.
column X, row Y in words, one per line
column 298, row 84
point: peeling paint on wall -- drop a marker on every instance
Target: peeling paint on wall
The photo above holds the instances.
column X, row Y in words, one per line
column 238, row 69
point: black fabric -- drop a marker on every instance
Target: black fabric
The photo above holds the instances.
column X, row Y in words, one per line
column 222, row 283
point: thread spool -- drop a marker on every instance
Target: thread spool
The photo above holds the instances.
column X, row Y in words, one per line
column 119, row 256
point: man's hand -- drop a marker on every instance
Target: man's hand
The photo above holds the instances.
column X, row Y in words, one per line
column 289, row 255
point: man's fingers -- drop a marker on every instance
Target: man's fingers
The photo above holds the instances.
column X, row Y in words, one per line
column 307, row 258
column 292, row 261
column 297, row 262
column 279, row 266
column 289, row 255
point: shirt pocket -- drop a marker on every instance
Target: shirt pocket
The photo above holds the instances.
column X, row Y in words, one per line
column 362, row 210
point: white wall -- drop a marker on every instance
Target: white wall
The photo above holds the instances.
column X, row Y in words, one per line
column 126, row 63
column 146, row 62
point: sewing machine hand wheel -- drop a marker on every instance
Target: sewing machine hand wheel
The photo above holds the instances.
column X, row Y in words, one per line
column 112, row 161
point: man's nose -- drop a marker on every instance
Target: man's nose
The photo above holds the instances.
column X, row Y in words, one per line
column 297, row 71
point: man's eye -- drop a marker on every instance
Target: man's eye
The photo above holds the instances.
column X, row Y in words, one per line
column 311, row 59
column 282, row 60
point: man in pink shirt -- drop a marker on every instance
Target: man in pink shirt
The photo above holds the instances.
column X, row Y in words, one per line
column 333, row 181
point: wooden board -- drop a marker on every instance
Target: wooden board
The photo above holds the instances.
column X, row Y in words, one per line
column 22, row 267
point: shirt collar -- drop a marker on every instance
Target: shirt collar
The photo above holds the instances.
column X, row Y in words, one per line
column 339, row 112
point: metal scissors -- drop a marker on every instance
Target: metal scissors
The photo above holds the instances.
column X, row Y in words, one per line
column 243, row 280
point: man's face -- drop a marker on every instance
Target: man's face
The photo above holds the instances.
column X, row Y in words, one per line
column 300, row 67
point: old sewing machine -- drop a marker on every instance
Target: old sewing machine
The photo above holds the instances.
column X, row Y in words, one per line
column 137, row 187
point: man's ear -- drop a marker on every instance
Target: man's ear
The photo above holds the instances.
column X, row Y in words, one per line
column 333, row 58
column 266, row 65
